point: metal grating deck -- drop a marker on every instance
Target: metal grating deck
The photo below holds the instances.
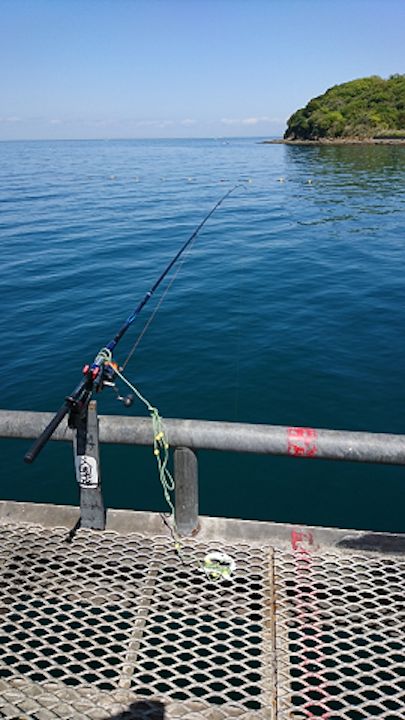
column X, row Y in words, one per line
column 340, row 637
column 113, row 626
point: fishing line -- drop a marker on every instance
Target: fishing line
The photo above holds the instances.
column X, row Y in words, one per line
column 112, row 344
column 155, row 311
column 187, row 246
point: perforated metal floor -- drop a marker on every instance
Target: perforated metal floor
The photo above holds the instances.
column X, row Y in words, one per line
column 340, row 636
column 110, row 626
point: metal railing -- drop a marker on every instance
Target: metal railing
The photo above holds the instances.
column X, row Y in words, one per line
column 186, row 436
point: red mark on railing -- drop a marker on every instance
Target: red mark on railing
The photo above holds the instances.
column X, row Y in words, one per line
column 302, row 441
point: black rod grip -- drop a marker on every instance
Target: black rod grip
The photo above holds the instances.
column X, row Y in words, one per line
column 39, row 443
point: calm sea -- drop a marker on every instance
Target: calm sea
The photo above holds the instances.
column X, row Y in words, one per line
column 289, row 309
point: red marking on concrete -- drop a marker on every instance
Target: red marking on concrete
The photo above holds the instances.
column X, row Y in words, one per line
column 302, row 540
column 302, row 441
column 309, row 611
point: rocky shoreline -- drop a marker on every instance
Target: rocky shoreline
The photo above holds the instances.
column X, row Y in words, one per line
column 337, row 141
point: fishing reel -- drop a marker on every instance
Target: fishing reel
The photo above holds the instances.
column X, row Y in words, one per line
column 109, row 381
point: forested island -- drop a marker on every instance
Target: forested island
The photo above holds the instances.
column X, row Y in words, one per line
column 366, row 110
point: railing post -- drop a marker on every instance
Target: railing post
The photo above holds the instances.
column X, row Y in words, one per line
column 87, row 465
column 186, row 490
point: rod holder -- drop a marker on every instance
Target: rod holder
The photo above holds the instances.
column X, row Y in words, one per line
column 87, row 466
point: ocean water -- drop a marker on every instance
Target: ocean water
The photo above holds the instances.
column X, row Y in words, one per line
column 289, row 309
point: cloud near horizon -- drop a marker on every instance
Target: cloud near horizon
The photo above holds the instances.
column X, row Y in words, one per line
column 265, row 119
column 10, row 120
column 71, row 126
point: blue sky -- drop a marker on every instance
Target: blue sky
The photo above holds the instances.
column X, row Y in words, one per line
column 183, row 68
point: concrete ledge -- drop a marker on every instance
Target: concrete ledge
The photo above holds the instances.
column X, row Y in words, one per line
column 226, row 530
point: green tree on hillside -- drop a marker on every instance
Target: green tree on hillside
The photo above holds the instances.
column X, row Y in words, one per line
column 362, row 108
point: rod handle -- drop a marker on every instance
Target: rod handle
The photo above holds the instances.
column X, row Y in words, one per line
column 39, row 443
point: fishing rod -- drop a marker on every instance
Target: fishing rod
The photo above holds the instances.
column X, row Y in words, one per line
column 100, row 373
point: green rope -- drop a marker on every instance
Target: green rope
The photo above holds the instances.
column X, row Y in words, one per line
column 160, row 444
column 104, row 356
column 217, row 566
column 216, row 570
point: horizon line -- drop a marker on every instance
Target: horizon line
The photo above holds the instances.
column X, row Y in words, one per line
column 112, row 139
